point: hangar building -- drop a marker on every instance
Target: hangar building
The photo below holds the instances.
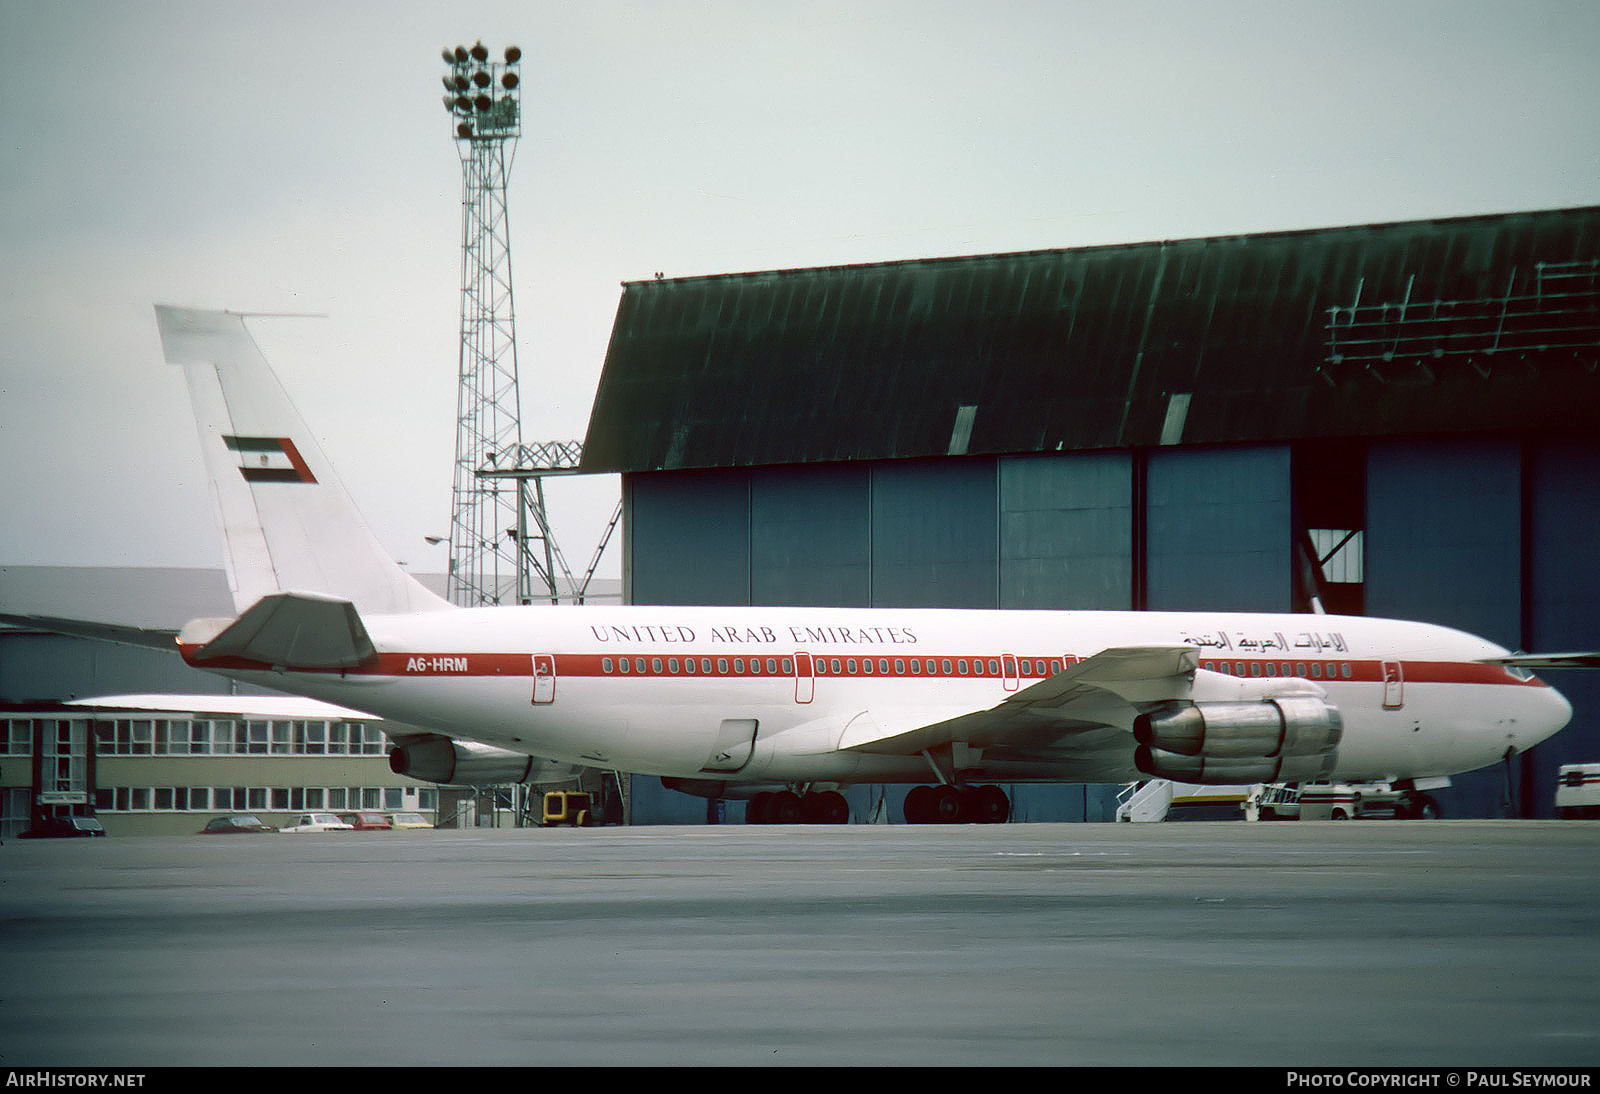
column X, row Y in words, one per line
column 1394, row 419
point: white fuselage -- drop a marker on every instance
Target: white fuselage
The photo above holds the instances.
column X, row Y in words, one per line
column 768, row 695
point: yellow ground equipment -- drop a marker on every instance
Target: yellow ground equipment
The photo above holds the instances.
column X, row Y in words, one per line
column 571, row 808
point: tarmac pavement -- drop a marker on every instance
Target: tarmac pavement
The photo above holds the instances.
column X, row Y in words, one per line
column 1290, row 944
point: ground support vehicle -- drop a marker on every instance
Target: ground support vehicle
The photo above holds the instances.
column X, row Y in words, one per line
column 1578, row 791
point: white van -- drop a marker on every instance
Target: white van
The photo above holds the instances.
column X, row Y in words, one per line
column 1578, row 791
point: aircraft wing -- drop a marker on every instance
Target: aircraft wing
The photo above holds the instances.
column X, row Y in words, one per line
column 292, row 707
column 1582, row 659
column 1102, row 693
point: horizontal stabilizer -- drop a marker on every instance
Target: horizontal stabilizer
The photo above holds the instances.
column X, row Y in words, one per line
column 150, row 638
column 286, row 630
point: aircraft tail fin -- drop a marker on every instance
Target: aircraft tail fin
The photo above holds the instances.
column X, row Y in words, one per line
column 287, row 522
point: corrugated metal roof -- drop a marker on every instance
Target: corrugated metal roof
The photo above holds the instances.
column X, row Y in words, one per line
column 1469, row 324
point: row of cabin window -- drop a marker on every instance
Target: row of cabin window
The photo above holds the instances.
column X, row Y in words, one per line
column 825, row 666
column 1317, row 671
column 640, row 666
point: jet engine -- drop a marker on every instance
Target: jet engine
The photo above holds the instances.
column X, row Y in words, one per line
column 1275, row 740
column 438, row 759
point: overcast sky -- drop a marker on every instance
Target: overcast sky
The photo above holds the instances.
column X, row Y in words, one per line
column 295, row 156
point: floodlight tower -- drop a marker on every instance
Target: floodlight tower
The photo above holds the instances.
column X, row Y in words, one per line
column 485, row 104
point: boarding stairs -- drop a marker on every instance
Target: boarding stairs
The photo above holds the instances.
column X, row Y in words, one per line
column 1145, row 801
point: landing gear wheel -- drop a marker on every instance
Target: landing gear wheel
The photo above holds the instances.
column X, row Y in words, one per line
column 784, row 808
column 756, row 811
column 989, row 805
column 919, row 805
column 828, row 807
column 948, row 805
column 1421, row 807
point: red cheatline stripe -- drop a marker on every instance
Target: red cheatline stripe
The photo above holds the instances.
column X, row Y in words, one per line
column 438, row 664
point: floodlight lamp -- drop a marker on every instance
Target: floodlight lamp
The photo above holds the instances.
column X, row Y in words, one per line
column 483, row 103
column 509, row 80
column 481, row 78
column 464, row 129
column 462, row 103
column 449, row 55
column 480, row 54
column 461, row 55
column 513, row 55
column 449, row 84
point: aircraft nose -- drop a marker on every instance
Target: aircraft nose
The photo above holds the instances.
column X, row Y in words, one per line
column 1553, row 714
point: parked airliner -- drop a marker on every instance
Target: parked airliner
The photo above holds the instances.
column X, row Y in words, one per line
column 785, row 706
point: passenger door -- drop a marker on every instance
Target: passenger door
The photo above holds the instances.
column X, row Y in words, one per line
column 1393, row 686
column 544, row 678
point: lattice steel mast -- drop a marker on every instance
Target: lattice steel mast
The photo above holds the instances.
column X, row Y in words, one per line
column 484, row 100
column 498, row 526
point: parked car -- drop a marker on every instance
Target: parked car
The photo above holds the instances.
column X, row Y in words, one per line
column 235, row 824
column 64, row 828
column 409, row 820
column 366, row 822
column 316, row 822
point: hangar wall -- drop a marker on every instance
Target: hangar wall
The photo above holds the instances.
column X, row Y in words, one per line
column 51, row 668
column 811, row 536
column 981, row 532
column 1066, row 531
column 1220, row 529
column 1444, row 545
column 1491, row 535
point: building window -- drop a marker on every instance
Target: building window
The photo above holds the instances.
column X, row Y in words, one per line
column 17, row 739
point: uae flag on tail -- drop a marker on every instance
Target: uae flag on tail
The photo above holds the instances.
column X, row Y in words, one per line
column 269, row 459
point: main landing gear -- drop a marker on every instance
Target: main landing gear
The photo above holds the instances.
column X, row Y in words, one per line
column 957, row 805
column 787, row 807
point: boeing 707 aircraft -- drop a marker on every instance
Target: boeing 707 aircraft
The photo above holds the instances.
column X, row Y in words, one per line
column 785, row 706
